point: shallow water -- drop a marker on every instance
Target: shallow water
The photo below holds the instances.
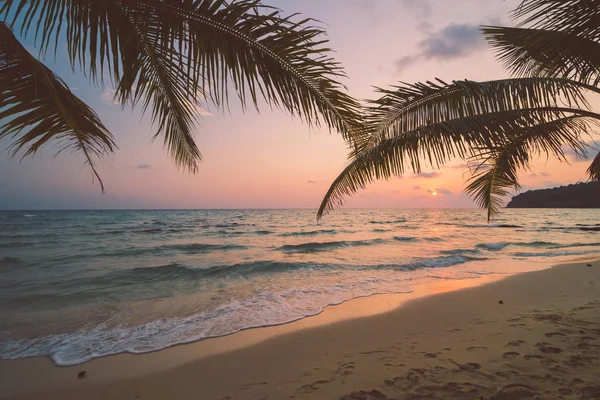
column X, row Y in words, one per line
column 75, row 285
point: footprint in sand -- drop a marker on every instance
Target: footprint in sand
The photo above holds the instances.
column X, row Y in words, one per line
column 532, row 357
column 510, row 354
column 548, row 348
column 476, row 348
column 554, row 334
column 515, row 343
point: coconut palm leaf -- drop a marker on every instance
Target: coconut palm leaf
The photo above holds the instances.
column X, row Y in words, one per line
column 169, row 55
column 407, row 107
column 36, row 106
column 439, row 143
column 539, row 52
column 579, row 17
column 594, row 169
column 498, row 168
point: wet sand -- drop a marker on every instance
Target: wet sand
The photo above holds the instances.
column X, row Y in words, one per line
column 534, row 335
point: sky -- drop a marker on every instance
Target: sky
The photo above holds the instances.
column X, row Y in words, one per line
column 269, row 159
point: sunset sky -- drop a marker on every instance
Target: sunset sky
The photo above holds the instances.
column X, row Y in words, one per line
column 270, row 160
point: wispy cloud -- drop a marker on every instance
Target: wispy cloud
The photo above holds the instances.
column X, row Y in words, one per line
column 462, row 165
column 422, row 8
column 312, row 182
column 416, row 187
column 144, row 166
column 592, row 150
column 199, row 110
column 109, row 97
column 440, row 191
column 427, row 175
column 453, row 41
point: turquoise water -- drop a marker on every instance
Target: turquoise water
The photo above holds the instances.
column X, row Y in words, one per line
column 75, row 285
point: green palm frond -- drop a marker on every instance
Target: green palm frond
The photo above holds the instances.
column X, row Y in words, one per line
column 538, row 52
column 437, row 143
column 170, row 54
column 37, row 107
column 407, row 107
column 498, row 167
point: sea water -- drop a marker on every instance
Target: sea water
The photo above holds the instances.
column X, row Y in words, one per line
column 76, row 285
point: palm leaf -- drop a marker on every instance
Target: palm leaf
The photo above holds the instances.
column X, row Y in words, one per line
column 407, row 107
column 172, row 54
column 37, row 107
column 499, row 166
column 594, row 169
column 580, row 17
column 438, row 143
column 539, row 52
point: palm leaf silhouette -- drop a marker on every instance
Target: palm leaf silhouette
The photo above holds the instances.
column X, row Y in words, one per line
column 169, row 56
column 433, row 123
column 37, row 107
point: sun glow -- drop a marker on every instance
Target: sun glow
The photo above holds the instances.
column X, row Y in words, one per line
column 434, row 193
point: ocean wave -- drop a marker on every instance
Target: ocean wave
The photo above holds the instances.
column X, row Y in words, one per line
column 263, row 309
column 405, row 238
column 395, row 221
column 556, row 253
column 460, row 251
column 187, row 248
column 315, row 247
column 9, row 260
column 502, row 245
column 439, row 262
column 310, row 233
column 15, row 244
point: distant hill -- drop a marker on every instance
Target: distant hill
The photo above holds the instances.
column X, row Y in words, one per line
column 579, row 195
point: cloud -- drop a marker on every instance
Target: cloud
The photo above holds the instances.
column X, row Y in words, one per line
column 453, row 41
column 416, row 187
column 440, row 191
column 311, row 182
column 544, row 174
column 109, row 97
column 199, row 110
column 457, row 166
column 144, row 166
column 427, row 175
column 592, row 150
column 422, row 8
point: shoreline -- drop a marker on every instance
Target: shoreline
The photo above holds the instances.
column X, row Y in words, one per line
column 111, row 376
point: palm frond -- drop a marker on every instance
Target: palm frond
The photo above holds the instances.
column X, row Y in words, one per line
column 594, row 169
column 36, row 107
column 407, row 107
column 580, row 17
column 438, row 143
column 498, row 167
column 174, row 53
column 539, row 52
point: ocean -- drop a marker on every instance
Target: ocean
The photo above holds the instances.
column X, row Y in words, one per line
column 77, row 285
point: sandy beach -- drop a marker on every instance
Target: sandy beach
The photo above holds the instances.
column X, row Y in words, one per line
column 534, row 335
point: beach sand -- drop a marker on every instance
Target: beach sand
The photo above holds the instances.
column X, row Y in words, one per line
column 534, row 335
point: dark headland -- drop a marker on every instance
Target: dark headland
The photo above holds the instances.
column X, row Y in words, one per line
column 578, row 195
